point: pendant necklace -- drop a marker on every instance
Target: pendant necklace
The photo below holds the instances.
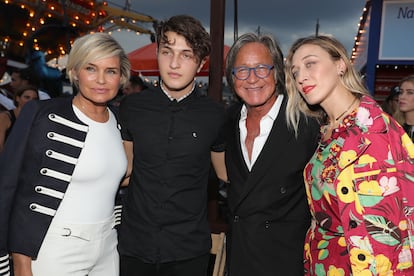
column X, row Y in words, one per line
column 343, row 113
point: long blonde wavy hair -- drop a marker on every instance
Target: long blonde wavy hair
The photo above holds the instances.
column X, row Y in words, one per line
column 351, row 79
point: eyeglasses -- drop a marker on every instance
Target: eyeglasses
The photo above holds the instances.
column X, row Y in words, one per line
column 261, row 71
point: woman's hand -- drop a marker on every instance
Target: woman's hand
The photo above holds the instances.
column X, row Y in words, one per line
column 22, row 265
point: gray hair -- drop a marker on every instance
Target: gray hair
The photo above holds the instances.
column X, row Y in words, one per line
column 274, row 49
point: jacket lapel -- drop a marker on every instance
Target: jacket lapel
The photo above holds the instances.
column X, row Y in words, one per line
column 277, row 139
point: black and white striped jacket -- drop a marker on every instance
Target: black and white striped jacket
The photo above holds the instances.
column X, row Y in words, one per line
column 36, row 167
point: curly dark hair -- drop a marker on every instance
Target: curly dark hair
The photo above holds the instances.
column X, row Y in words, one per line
column 191, row 29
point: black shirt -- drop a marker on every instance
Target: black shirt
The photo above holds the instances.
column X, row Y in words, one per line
column 410, row 131
column 165, row 218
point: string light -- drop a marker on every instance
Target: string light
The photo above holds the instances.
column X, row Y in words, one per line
column 358, row 38
column 84, row 16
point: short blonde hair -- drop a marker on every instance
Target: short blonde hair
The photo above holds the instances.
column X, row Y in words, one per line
column 92, row 47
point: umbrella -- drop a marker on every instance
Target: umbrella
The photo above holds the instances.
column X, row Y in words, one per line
column 144, row 60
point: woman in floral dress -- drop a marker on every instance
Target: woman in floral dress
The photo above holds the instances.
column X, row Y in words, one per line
column 360, row 181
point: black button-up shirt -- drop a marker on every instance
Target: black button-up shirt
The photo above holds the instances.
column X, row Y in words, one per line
column 165, row 218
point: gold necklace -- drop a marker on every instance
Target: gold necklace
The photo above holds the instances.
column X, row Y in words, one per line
column 343, row 113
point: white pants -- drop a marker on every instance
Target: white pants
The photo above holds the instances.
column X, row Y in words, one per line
column 78, row 250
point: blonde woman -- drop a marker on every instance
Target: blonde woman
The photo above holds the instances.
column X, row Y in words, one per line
column 61, row 170
column 360, row 181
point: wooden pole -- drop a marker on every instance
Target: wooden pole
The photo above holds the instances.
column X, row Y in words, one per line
column 215, row 75
column 317, row 27
column 236, row 21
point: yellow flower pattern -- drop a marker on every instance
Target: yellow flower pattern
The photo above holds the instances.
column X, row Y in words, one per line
column 360, row 259
column 357, row 184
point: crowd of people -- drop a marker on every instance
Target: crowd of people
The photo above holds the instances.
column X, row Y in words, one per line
column 320, row 178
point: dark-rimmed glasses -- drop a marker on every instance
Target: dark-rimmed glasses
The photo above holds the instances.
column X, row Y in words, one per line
column 261, row 71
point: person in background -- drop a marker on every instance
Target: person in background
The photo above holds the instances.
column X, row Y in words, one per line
column 171, row 133
column 6, row 103
column 390, row 105
column 25, row 76
column 265, row 161
column 134, row 85
column 406, row 105
column 7, row 118
column 61, row 170
column 360, row 181
column 6, row 95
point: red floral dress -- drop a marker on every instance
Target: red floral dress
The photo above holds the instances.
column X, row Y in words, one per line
column 360, row 188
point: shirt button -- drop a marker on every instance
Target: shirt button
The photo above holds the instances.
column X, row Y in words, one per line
column 283, row 190
column 267, row 224
column 236, row 219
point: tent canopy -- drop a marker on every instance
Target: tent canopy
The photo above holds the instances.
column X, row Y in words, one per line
column 144, row 61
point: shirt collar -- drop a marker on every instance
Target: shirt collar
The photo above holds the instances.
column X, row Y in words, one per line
column 179, row 99
column 272, row 112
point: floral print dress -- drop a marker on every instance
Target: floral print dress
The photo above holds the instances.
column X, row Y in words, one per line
column 360, row 188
